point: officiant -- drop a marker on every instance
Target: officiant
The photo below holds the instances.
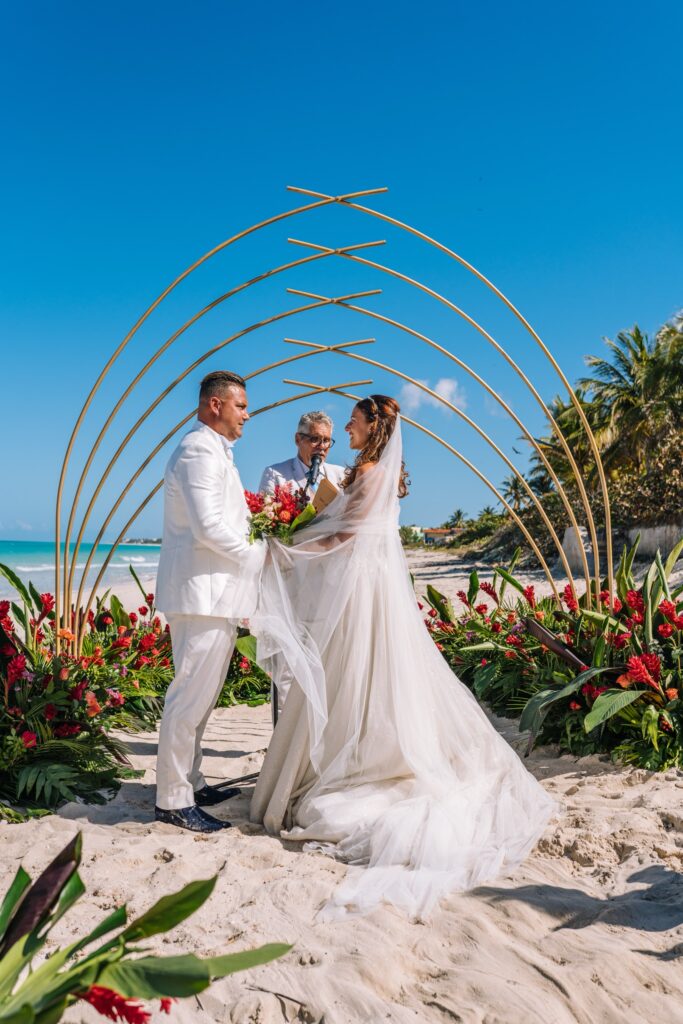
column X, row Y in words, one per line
column 313, row 440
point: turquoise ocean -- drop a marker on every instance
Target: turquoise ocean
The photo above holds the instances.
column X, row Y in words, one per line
column 34, row 560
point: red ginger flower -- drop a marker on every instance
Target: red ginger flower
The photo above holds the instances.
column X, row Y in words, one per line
column 482, row 609
column 642, row 668
column 530, row 596
column 166, row 1004
column 668, row 610
column 147, row 641
column 665, row 630
column 114, row 1006
column 67, row 729
column 133, row 618
column 463, row 597
column 4, row 609
column 29, row 739
column 16, row 668
column 254, row 502
column 489, row 589
column 143, row 609
column 47, row 602
column 635, row 600
column 569, row 599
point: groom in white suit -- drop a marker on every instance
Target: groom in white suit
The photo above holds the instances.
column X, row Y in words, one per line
column 313, row 439
column 207, row 581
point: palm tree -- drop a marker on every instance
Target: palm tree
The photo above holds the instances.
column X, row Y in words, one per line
column 514, row 492
column 488, row 510
column 639, row 389
column 564, row 412
column 455, row 520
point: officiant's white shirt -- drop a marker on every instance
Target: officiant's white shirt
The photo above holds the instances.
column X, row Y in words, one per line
column 293, row 471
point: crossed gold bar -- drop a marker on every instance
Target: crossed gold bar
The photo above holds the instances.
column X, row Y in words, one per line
column 93, row 391
column 345, row 201
column 511, row 362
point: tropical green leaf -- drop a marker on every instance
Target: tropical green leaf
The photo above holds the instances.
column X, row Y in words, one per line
column 246, row 645
column 304, row 517
column 538, row 706
column 509, row 578
column 607, row 705
column 137, row 580
column 12, row 578
column 672, row 559
column 473, row 589
column 440, row 603
column 170, row 910
column 13, row 896
column 25, row 1015
column 119, row 613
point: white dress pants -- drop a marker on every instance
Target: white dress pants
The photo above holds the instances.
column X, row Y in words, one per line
column 202, row 647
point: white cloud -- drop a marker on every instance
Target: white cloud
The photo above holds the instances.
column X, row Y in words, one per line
column 412, row 397
column 20, row 525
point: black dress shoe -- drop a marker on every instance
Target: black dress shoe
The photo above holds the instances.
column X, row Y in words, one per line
column 192, row 818
column 210, row 795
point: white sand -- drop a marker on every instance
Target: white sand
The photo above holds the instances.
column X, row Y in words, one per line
column 589, row 930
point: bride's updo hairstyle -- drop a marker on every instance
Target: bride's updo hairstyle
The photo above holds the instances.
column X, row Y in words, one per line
column 381, row 412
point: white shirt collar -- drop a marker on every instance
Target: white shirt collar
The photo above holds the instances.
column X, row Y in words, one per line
column 227, row 445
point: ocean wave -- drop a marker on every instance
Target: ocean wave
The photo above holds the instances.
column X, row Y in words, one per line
column 45, row 567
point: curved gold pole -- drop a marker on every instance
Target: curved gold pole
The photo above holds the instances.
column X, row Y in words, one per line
column 69, row 575
column 146, row 501
column 518, row 370
column 489, row 284
column 157, row 449
column 467, row 419
column 307, row 394
column 212, row 252
column 482, row 434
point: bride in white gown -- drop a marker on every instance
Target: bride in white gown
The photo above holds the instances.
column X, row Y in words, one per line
column 381, row 756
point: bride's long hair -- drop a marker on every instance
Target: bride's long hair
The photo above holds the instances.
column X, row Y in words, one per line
column 382, row 412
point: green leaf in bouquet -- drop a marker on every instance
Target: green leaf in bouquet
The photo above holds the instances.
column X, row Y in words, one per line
column 663, row 576
column 304, row 517
column 170, row 910
column 24, row 1015
column 516, row 555
column 539, row 705
column 673, row 557
column 137, row 580
column 12, row 578
column 441, row 604
column 607, row 705
column 246, row 645
column 180, row 976
column 37, row 600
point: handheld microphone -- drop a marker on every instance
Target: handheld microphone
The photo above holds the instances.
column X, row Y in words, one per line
column 314, row 471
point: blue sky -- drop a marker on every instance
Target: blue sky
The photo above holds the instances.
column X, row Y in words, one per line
column 541, row 142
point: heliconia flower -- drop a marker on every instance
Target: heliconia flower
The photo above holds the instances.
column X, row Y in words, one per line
column 29, row 739
column 665, row 630
column 530, row 596
column 114, row 1006
column 569, row 599
column 668, row 610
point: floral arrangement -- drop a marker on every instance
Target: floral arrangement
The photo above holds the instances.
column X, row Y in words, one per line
column 58, row 710
column 278, row 514
column 588, row 680
column 112, row 977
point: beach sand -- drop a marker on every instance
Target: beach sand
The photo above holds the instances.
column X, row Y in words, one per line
column 588, row 930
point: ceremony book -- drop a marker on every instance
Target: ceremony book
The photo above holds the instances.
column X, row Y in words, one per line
column 326, row 493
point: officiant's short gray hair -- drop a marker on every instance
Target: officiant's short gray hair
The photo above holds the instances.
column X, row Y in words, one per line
column 309, row 418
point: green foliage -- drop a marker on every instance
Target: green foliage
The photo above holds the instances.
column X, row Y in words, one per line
column 110, row 974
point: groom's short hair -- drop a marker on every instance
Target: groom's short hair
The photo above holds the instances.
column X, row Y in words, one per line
column 217, row 383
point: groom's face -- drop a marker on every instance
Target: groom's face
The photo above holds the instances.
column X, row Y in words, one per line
column 230, row 411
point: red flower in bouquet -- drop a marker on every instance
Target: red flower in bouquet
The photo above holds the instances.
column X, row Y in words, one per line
column 93, row 706
column 143, row 610
column 665, row 630
column 463, row 597
column 133, row 618
column 569, row 599
column 530, row 596
column 47, row 602
column 76, row 692
column 635, row 601
column 4, row 609
column 29, row 739
column 272, row 515
column 482, row 609
column 114, row 1006
column 254, row 502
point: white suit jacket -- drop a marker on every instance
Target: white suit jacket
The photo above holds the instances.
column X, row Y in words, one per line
column 207, row 565
column 293, row 471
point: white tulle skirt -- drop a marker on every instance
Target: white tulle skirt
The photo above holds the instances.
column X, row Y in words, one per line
column 382, row 758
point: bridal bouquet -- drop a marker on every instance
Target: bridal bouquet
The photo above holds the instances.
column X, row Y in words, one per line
column 278, row 514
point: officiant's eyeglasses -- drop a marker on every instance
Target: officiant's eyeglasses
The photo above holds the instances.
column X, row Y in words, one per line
column 326, row 442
